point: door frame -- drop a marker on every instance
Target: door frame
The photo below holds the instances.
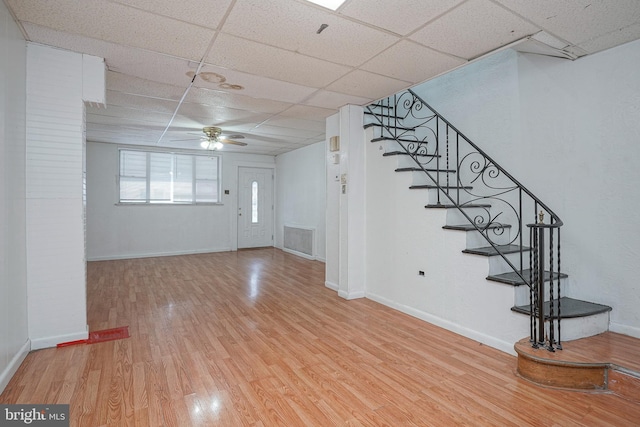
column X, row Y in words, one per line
column 235, row 187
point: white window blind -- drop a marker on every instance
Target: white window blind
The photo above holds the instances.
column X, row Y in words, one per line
column 155, row 177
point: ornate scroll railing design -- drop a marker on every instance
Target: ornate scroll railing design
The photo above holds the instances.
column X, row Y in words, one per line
column 487, row 196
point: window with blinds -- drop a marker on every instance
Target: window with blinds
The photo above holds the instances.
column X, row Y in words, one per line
column 169, row 178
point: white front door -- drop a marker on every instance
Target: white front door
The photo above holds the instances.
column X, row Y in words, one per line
column 255, row 207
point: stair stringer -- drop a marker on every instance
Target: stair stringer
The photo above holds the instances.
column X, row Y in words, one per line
column 403, row 238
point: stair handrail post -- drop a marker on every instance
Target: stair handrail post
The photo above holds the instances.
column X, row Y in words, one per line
column 540, row 308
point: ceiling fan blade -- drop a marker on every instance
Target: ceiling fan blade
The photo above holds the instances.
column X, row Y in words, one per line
column 232, row 142
column 233, row 136
column 188, row 139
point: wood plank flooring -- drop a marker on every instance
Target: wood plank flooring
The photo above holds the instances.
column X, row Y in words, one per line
column 253, row 338
column 609, row 347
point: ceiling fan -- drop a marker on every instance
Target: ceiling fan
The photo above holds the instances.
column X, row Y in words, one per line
column 213, row 139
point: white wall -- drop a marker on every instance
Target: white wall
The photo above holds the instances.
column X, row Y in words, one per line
column 569, row 132
column 580, row 151
column 118, row 231
column 301, row 193
column 404, row 238
column 14, row 338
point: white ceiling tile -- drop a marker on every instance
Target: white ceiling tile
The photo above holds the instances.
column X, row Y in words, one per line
column 254, row 86
column 123, row 133
column 579, row 21
column 218, row 116
column 363, row 83
column 419, row 63
column 206, row 13
column 393, row 15
column 274, row 139
column 256, row 58
column 125, row 83
column 292, row 25
column 118, row 24
column 474, row 28
column 115, row 98
column 288, row 122
column 284, row 131
column 614, row 38
column 111, row 134
column 132, row 114
column 308, row 113
column 217, row 97
column 119, row 138
column 334, row 100
column 266, row 88
column 121, row 59
column 128, row 130
column 152, row 66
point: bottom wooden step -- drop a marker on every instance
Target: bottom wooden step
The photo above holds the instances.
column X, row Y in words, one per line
column 605, row 362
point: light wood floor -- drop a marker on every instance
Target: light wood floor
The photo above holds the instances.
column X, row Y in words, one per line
column 254, row 338
column 617, row 349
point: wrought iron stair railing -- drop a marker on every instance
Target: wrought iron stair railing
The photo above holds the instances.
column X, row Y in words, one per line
column 494, row 204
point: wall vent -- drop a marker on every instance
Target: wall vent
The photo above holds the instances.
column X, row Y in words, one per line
column 299, row 240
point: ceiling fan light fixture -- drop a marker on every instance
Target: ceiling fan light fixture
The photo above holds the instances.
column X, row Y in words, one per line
column 204, row 144
column 217, row 145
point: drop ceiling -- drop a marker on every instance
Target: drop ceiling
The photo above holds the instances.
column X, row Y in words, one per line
column 266, row 72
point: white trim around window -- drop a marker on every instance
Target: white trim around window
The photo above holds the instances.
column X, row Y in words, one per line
column 148, row 177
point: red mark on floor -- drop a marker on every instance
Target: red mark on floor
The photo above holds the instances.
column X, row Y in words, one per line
column 101, row 336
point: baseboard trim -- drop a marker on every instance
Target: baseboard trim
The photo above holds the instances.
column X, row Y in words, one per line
column 300, row 254
column 446, row 324
column 47, row 342
column 624, row 329
column 14, row 364
column 331, row 286
column 156, row 254
column 351, row 295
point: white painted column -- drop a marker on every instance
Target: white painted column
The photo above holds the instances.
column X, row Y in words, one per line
column 56, row 279
column 346, row 240
column 332, row 212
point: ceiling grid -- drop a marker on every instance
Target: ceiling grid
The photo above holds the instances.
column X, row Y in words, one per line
column 265, row 73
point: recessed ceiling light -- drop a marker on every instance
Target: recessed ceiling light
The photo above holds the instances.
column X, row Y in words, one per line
column 329, row 4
